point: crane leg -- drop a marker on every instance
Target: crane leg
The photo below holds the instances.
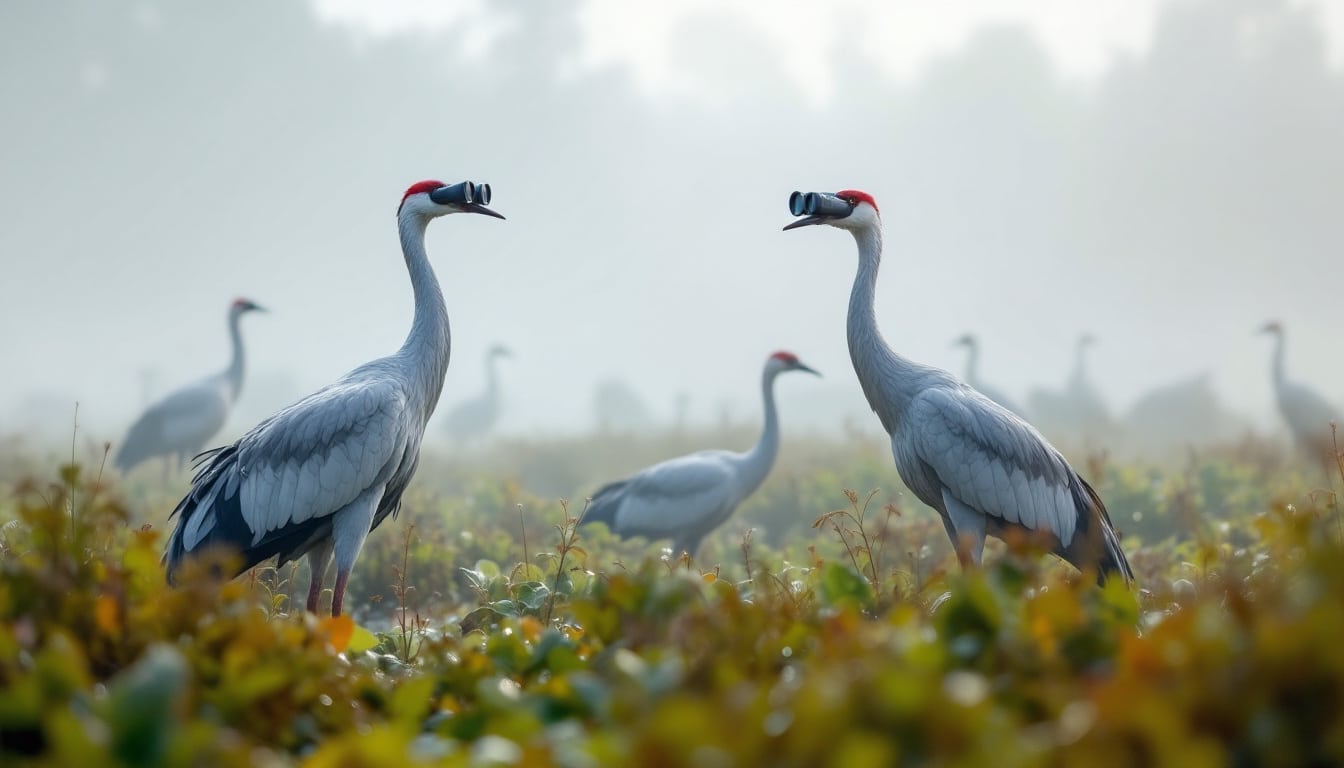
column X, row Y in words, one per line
column 349, row 527
column 970, row 529
column 319, row 558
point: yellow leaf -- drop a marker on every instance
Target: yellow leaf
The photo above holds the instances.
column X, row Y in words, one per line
column 106, row 615
column 530, row 627
column 362, row 640
column 339, row 630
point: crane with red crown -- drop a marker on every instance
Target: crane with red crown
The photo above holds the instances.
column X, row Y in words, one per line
column 179, row 425
column 984, row 469
column 687, row 497
column 318, row 476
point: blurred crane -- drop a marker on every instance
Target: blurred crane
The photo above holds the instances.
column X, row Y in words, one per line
column 1077, row 413
column 984, row 469
column 180, row 424
column 972, row 377
column 689, row 496
column 473, row 419
column 1307, row 414
column 318, row 476
column 1181, row 414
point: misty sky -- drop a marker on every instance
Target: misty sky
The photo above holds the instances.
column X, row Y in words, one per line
column 1164, row 175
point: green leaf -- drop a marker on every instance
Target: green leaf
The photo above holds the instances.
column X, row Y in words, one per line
column 839, row 586
column 362, row 640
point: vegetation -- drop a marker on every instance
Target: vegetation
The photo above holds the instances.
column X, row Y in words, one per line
column 818, row 627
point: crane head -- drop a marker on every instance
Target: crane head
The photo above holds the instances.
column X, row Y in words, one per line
column 964, row 340
column 847, row 209
column 1273, row 326
column 241, row 305
column 434, row 198
column 787, row 361
column 499, row 350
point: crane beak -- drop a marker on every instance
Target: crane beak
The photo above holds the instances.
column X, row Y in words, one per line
column 478, row 208
column 806, row 221
column 807, row 369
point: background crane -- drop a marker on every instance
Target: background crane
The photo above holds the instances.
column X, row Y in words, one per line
column 984, row 469
column 180, row 424
column 972, row 377
column 318, row 476
column 1307, row 414
column 689, row 496
column 1077, row 414
column 472, row 419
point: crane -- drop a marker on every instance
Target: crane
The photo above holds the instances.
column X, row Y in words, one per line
column 1078, row 411
column 318, row 476
column 972, row 346
column 687, row 497
column 473, row 419
column 180, row 424
column 984, row 469
column 1307, row 414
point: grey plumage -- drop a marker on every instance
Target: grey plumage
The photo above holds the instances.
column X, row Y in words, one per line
column 1077, row 413
column 474, row 418
column 318, row 476
column 687, row 497
column 1307, row 414
column 181, row 423
column 984, row 469
column 972, row 376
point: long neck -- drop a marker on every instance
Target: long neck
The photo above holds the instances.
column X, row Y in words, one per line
column 234, row 373
column 1276, row 366
column 889, row 381
column 756, row 463
column 972, row 362
column 1079, row 375
column 492, row 378
column 425, row 351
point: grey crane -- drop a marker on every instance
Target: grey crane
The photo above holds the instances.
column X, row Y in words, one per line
column 318, row 476
column 972, row 345
column 472, row 419
column 1307, row 414
column 687, row 497
column 1078, row 411
column 182, row 423
column 984, row 469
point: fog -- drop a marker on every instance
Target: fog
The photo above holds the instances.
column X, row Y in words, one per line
column 1167, row 194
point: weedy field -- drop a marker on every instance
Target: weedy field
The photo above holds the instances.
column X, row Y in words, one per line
column 819, row 627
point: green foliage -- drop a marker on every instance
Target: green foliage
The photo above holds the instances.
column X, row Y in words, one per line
column 856, row 642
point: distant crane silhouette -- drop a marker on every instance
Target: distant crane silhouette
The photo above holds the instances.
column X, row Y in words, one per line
column 984, row 469
column 687, row 497
column 1307, row 414
column 1078, row 412
column 180, row 424
column 318, row 476
column 472, row 419
column 972, row 346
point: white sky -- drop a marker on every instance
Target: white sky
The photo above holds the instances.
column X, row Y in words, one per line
column 1082, row 36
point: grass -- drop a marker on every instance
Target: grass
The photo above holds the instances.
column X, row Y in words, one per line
column 504, row 635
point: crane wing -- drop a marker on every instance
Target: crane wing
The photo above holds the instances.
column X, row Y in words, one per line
column 992, row 461
column 675, row 495
column 181, row 422
column 267, row 493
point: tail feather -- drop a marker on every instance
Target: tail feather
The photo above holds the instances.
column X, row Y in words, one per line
column 210, row 517
column 1095, row 542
